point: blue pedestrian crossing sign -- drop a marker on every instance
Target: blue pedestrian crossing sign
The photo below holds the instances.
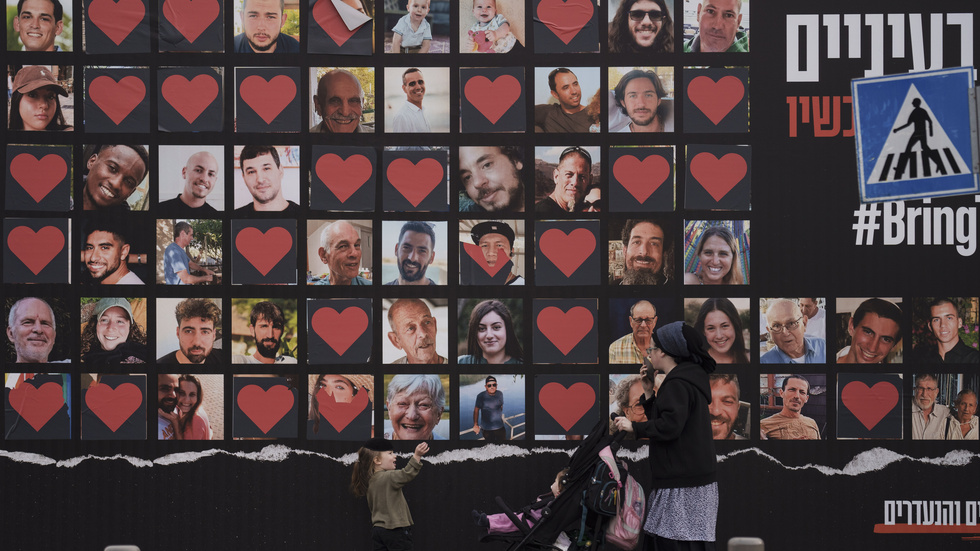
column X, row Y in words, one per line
column 913, row 135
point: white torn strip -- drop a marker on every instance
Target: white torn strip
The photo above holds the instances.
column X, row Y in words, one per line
column 871, row 460
column 868, row 461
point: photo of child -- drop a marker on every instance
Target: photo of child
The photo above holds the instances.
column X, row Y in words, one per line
column 489, row 30
column 413, row 34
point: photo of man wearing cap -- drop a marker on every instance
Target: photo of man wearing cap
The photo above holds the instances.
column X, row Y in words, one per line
column 499, row 243
column 34, row 101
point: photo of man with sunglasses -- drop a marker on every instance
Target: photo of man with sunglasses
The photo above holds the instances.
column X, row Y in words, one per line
column 641, row 26
column 572, row 177
column 488, row 412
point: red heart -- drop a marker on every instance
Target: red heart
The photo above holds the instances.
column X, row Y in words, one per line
column 415, row 181
column 343, row 176
column 37, row 405
column 191, row 17
column 565, row 18
column 567, row 251
column 268, row 98
column 326, row 15
column 869, row 405
column 264, row 250
column 492, row 99
column 38, row 178
column 36, row 249
column 715, row 99
column 565, row 329
column 113, row 405
column 718, row 176
column 117, row 99
column 265, row 407
column 189, row 97
column 340, row 414
column 116, row 18
column 641, row 178
column 340, row 330
column 566, row 405
column 476, row 253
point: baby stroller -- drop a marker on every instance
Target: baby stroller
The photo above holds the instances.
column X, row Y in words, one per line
column 568, row 512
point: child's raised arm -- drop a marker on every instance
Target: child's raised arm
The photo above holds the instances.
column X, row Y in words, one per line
column 421, row 450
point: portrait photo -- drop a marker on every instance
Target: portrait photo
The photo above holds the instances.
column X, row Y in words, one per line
column 115, row 178
column 416, row 26
column 491, row 178
column 869, row 330
column 40, row 97
column 641, row 99
column 788, row 333
column 716, row 252
column 641, row 251
column 189, row 331
column 944, row 406
column 716, row 26
column 189, row 252
column 339, row 252
column 266, row 27
column 416, row 100
column 492, row 407
column 793, row 407
column 115, row 250
column 414, row 253
column 343, row 100
column 198, row 412
column 567, row 99
column 264, row 331
column 416, row 407
column 38, row 329
column 725, row 324
column 566, row 180
column 491, row 26
column 945, row 330
column 490, row 331
column 632, row 322
column 641, row 26
column 39, row 26
column 191, row 180
column 410, row 331
column 486, row 247
column 114, row 331
column 267, row 179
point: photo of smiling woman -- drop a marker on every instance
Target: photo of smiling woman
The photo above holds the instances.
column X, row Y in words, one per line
column 190, row 419
column 112, row 333
column 716, row 252
column 414, row 407
column 34, row 101
column 491, row 336
column 722, row 321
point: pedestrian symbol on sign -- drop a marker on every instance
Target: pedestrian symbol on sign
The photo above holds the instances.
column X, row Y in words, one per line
column 917, row 159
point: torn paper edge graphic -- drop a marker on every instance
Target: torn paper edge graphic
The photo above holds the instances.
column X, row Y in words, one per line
column 868, row 461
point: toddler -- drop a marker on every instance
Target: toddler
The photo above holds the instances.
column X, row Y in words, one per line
column 491, row 32
column 413, row 34
column 375, row 476
column 500, row 523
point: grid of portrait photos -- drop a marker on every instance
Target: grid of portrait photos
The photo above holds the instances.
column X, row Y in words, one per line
column 256, row 220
